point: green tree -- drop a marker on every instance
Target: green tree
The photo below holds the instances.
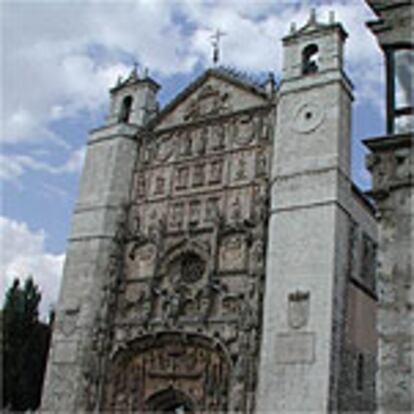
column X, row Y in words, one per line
column 25, row 346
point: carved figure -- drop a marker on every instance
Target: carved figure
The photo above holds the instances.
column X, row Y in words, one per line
column 198, row 175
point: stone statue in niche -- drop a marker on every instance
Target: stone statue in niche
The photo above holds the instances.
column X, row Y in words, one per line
column 261, row 163
column 143, row 261
column 240, row 173
column 143, row 304
column 140, row 185
column 265, row 129
column 195, row 210
column 259, row 205
column 177, row 216
column 298, row 309
column 201, row 141
column 216, row 172
column 171, row 307
column 212, row 209
column 236, row 209
column 182, row 178
column 218, row 136
column 186, row 143
column 257, row 257
column 198, row 175
column 159, row 185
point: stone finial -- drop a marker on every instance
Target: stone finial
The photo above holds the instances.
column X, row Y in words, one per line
column 133, row 76
column 292, row 27
column 312, row 17
column 331, row 17
column 146, row 72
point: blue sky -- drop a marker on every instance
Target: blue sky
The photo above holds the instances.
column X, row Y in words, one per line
column 59, row 59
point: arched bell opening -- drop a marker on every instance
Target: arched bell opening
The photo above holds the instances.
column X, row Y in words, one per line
column 310, row 57
column 126, row 107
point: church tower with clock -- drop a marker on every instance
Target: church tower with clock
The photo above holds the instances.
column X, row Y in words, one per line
column 221, row 259
column 312, row 206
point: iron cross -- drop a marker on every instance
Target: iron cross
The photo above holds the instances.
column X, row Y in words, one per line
column 215, row 42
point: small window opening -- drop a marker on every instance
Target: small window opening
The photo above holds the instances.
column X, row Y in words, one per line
column 360, row 372
column 126, row 107
column 310, row 57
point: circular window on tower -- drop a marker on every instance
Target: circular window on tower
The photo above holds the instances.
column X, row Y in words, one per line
column 307, row 117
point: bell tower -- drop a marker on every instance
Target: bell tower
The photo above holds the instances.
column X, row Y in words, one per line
column 105, row 188
column 310, row 180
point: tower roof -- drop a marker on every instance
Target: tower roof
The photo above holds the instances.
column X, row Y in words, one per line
column 313, row 25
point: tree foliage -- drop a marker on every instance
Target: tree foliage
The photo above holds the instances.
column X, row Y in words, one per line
column 25, row 347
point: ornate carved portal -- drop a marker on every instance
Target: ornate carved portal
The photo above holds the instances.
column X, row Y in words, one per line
column 168, row 372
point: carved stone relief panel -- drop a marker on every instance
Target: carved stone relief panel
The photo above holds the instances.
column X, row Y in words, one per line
column 165, row 146
column 184, row 289
column 233, row 253
column 152, row 214
column 244, row 129
column 156, row 373
column 140, row 261
column 210, row 101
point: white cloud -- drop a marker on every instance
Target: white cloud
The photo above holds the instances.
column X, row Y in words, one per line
column 13, row 166
column 23, row 253
column 70, row 53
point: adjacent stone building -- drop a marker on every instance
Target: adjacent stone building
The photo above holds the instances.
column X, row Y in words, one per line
column 392, row 164
column 221, row 259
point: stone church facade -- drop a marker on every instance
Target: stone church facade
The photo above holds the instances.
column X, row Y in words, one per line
column 221, row 259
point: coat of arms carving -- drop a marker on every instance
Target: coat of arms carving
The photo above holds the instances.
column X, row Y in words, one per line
column 298, row 309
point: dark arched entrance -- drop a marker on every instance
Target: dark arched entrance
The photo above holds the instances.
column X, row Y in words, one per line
column 170, row 401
